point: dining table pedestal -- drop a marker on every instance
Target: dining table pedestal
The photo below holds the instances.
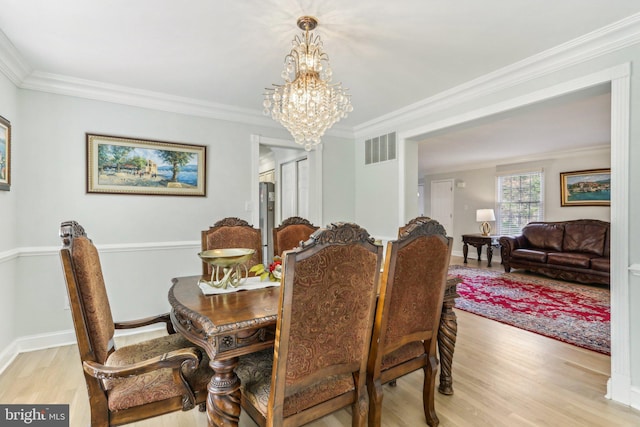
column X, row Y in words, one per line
column 226, row 326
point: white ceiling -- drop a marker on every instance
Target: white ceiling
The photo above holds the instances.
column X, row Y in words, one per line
column 390, row 54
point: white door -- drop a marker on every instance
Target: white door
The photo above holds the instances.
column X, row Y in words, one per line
column 294, row 177
column 303, row 188
column 288, row 190
column 442, row 203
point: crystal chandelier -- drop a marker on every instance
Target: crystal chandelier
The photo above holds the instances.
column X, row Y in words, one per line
column 308, row 103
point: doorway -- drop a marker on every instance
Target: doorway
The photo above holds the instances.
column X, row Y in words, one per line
column 618, row 386
column 308, row 193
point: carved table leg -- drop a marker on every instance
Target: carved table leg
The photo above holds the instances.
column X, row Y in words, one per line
column 447, row 334
column 465, row 251
column 479, row 249
column 223, row 401
column 489, row 254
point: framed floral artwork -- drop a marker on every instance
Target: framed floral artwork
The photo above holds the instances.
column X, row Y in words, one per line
column 139, row 166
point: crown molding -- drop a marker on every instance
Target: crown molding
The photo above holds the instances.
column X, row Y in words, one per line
column 616, row 36
column 583, row 151
column 12, row 64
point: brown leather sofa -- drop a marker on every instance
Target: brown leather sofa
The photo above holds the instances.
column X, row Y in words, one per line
column 575, row 250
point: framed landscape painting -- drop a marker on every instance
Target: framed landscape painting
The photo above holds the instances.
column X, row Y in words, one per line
column 137, row 166
column 5, row 154
column 586, row 188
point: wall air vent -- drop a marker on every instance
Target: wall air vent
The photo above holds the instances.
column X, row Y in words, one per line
column 380, row 149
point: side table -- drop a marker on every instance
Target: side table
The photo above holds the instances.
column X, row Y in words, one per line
column 478, row 241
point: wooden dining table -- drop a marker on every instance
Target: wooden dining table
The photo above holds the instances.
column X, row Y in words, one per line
column 230, row 325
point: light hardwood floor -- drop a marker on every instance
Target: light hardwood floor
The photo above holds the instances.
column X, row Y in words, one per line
column 502, row 376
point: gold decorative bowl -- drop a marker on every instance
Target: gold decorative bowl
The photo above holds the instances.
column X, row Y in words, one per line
column 227, row 266
column 226, row 257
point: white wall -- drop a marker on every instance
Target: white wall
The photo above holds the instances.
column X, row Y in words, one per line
column 144, row 241
column 376, row 195
column 8, row 220
column 480, row 190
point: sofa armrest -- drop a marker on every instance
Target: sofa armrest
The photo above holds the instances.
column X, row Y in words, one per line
column 507, row 245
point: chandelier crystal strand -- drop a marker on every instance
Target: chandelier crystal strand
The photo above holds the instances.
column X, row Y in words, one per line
column 307, row 104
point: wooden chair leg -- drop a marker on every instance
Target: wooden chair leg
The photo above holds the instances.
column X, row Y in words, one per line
column 375, row 403
column 428, row 392
column 360, row 409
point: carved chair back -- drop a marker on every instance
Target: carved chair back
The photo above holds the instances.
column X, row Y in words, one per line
column 291, row 233
column 327, row 302
column 407, row 317
column 90, row 309
column 115, row 395
column 232, row 233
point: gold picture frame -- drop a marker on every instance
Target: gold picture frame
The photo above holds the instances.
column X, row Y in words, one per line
column 586, row 188
column 120, row 165
column 5, row 154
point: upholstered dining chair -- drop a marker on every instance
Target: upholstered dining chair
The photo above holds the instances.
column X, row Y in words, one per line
column 135, row 382
column 327, row 302
column 291, row 233
column 408, row 313
column 232, row 232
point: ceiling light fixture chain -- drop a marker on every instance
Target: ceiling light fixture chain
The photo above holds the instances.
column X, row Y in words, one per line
column 307, row 104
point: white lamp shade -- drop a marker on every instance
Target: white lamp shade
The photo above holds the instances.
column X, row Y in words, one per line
column 483, row 215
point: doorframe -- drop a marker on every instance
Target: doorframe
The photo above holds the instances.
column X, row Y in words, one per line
column 619, row 384
column 315, row 176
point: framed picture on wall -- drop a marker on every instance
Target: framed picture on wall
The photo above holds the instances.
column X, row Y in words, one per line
column 138, row 166
column 586, row 188
column 5, row 154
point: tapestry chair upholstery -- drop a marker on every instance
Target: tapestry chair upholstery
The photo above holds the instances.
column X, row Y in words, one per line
column 229, row 233
column 134, row 382
column 327, row 303
column 408, row 313
column 291, row 233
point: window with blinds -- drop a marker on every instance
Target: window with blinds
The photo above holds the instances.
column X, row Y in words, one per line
column 520, row 201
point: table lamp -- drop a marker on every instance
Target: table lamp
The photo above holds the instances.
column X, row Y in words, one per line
column 484, row 216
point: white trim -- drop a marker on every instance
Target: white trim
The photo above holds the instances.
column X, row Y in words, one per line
column 111, row 248
column 402, row 197
column 57, row 339
column 90, row 89
column 610, row 38
column 594, row 79
column 619, row 385
column 12, row 64
column 9, row 255
column 634, row 269
column 618, row 388
column 8, row 355
column 618, row 35
column 522, row 159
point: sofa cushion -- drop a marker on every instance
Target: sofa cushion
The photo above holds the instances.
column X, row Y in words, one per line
column 587, row 238
column 601, row 264
column 544, row 235
column 569, row 259
column 529, row 255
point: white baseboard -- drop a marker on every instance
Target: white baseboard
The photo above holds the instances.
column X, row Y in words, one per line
column 7, row 356
column 54, row 339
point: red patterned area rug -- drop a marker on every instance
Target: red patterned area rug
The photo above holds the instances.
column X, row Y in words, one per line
column 573, row 313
